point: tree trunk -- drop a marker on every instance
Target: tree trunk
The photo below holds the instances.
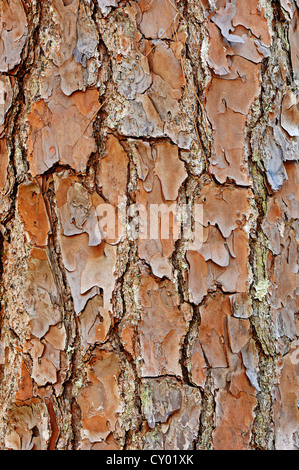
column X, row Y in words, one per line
column 130, row 339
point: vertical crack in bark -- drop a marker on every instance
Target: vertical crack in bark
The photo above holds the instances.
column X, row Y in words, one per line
column 2, row 308
column 263, row 430
column 68, row 404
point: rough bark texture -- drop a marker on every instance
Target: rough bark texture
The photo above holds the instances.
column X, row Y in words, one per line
column 119, row 344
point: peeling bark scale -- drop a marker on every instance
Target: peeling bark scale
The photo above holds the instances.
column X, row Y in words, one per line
column 124, row 343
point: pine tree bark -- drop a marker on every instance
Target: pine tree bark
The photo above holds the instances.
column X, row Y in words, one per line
column 114, row 342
